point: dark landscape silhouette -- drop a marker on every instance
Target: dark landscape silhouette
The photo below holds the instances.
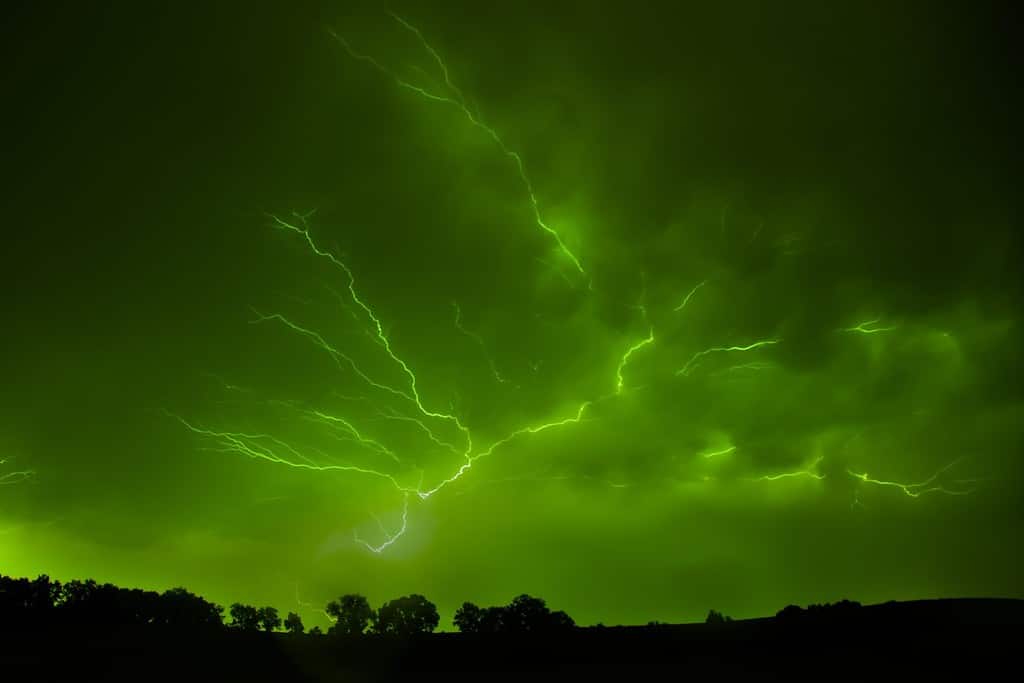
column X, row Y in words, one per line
column 84, row 630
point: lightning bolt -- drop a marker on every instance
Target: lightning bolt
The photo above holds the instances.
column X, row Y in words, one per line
column 918, row 489
column 620, row 381
column 685, row 370
column 868, row 327
column 810, row 471
column 532, row 429
column 401, row 386
column 15, row 477
column 389, row 537
column 455, row 98
column 480, row 342
column 256, row 446
column 271, row 449
column 714, row 454
column 689, row 296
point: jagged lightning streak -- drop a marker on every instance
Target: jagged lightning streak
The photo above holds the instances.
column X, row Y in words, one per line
column 620, row 380
column 533, row 429
column 17, row 477
column 456, row 99
column 389, row 537
column 249, row 445
column 310, row 606
column 868, row 327
column 714, row 454
column 480, row 342
column 689, row 296
column 685, row 370
column 274, row 450
column 914, row 490
column 810, row 471
column 341, row 424
column 385, row 342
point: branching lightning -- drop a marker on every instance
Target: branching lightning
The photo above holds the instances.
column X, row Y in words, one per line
column 450, row 430
column 868, row 327
column 685, row 370
column 455, row 98
column 620, row 381
column 389, row 537
column 916, row 490
column 810, row 471
column 480, row 342
column 16, row 477
column 277, row 451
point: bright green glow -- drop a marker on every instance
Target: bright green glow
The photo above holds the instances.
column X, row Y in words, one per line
column 868, row 327
column 915, row 490
column 685, row 370
column 457, row 101
column 620, row 381
column 689, row 296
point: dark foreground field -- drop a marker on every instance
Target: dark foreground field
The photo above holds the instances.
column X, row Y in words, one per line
column 928, row 640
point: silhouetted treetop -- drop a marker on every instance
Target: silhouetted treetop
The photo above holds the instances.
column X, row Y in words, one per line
column 293, row 624
column 269, row 619
column 406, row 616
column 245, row 617
column 351, row 613
column 525, row 614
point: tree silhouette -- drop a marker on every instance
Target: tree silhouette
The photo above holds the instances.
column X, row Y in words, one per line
column 716, row 617
column 351, row 614
column 789, row 612
column 492, row 620
column 560, row 621
column 468, row 618
column 268, row 618
column 245, row 617
column 183, row 609
column 406, row 616
column 525, row 614
column 293, row 624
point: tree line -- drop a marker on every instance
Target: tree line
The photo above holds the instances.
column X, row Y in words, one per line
column 43, row 601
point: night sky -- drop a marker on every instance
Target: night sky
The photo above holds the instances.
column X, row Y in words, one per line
column 642, row 311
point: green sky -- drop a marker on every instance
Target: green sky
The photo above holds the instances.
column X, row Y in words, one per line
column 643, row 312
